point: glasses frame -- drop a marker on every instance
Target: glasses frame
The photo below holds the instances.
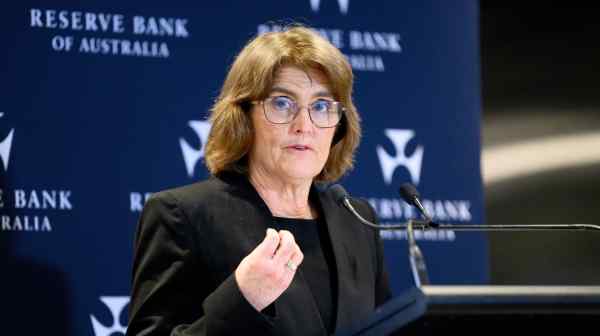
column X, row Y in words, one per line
column 341, row 109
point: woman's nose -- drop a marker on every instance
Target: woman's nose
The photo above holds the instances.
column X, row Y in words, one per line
column 302, row 123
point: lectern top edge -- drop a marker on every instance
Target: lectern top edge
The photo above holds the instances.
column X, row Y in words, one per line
column 466, row 290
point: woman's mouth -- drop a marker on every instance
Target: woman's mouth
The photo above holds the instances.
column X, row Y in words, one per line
column 299, row 147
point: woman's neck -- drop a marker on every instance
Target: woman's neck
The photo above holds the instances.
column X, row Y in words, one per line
column 283, row 198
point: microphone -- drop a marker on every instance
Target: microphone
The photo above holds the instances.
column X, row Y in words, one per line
column 417, row 261
column 341, row 197
column 411, row 196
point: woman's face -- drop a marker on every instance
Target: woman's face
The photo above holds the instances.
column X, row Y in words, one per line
column 296, row 151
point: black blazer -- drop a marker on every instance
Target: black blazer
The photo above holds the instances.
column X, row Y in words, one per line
column 191, row 239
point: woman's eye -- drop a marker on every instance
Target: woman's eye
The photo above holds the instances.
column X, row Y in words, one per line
column 281, row 103
column 321, row 106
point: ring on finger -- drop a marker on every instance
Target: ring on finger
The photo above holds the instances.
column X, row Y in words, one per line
column 290, row 264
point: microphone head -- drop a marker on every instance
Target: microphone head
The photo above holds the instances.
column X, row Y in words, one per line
column 339, row 193
column 409, row 193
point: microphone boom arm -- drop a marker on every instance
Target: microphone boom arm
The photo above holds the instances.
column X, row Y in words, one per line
column 426, row 224
column 417, row 260
column 505, row 227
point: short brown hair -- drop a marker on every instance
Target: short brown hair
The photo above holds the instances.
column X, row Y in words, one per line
column 251, row 77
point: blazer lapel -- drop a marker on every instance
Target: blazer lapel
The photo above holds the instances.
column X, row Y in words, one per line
column 335, row 219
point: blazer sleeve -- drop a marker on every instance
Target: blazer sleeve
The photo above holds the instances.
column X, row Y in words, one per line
column 170, row 294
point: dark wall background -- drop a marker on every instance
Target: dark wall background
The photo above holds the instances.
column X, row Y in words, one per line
column 540, row 67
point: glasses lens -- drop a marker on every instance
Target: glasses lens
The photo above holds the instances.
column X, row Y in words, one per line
column 279, row 110
column 325, row 113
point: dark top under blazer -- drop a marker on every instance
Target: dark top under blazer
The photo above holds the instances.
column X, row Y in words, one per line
column 191, row 239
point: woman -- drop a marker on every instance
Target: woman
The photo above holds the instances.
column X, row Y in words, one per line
column 262, row 247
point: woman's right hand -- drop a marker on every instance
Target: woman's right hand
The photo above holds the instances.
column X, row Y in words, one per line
column 265, row 273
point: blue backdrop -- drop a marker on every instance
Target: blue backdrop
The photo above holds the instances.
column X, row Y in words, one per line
column 103, row 103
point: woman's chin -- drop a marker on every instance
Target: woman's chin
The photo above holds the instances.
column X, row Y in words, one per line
column 301, row 173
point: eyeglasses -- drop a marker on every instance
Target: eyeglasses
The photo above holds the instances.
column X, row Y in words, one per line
column 323, row 113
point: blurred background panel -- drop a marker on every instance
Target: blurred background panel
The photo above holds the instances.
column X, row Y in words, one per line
column 541, row 139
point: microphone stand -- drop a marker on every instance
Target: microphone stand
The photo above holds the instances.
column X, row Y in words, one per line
column 417, row 260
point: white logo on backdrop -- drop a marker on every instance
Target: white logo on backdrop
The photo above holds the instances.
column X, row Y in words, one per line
column 343, row 4
column 365, row 50
column 395, row 211
column 191, row 156
column 389, row 164
column 5, row 146
column 115, row 304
